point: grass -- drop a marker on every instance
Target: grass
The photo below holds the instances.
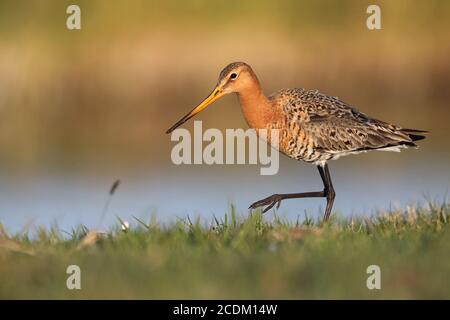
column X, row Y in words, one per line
column 236, row 257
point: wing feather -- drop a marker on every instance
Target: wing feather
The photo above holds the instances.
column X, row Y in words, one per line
column 338, row 127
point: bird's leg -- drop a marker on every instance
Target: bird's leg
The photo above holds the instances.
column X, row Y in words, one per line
column 275, row 199
column 328, row 192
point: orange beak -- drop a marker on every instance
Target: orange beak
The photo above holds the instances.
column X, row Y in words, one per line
column 216, row 94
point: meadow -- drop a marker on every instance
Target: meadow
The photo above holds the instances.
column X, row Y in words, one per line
column 236, row 256
column 82, row 108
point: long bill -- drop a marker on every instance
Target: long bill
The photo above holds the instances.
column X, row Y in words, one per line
column 216, row 94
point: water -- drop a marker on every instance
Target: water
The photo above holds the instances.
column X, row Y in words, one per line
column 363, row 184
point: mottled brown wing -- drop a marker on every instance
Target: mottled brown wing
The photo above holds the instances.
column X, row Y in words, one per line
column 337, row 127
column 343, row 135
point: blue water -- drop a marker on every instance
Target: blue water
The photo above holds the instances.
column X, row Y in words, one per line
column 363, row 184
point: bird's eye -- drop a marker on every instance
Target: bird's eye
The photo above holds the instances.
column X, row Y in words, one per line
column 233, row 76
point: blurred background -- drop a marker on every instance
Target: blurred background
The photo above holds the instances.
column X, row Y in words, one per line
column 80, row 109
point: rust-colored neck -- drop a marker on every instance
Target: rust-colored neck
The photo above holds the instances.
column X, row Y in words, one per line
column 256, row 107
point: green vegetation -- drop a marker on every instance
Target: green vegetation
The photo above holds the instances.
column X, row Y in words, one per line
column 235, row 257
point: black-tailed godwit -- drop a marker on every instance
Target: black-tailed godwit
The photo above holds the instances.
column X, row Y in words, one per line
column 312, row 126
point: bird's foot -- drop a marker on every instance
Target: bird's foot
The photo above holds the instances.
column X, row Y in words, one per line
column 270, row 202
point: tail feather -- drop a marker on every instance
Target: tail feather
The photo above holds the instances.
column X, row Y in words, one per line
column 416, row 137
column 403, row 138
column 414, row 134
column 414, row 130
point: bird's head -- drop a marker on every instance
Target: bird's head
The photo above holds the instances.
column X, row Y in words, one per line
column 234, row 78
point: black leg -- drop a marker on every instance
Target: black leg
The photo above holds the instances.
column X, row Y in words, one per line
column 328, row 192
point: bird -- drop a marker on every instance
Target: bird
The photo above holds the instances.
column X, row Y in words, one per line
column 313, row 127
